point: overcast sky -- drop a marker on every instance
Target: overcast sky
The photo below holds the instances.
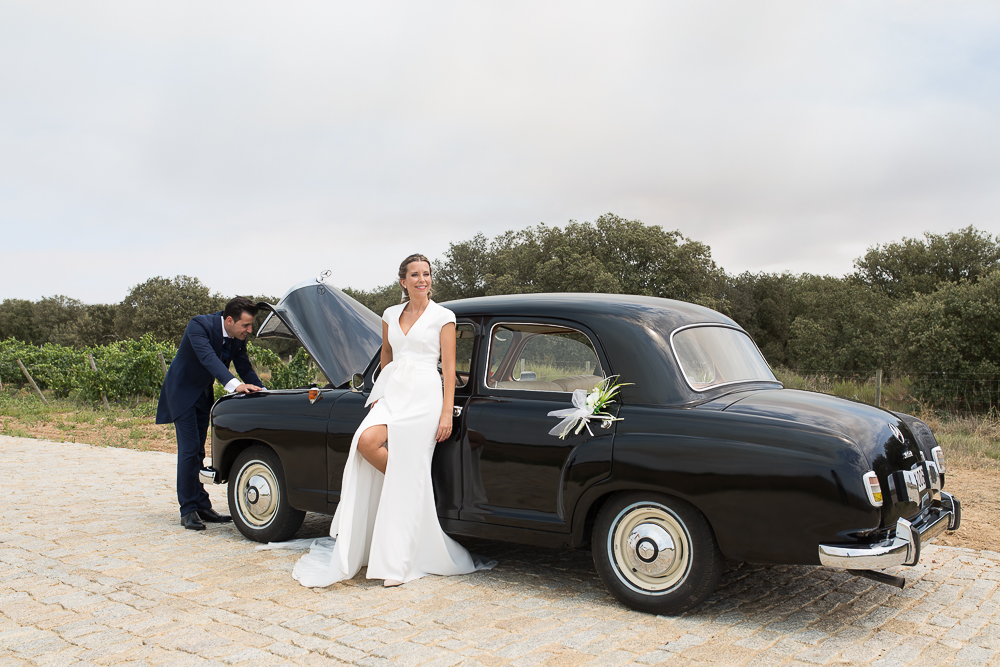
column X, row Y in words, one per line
column 254, row 144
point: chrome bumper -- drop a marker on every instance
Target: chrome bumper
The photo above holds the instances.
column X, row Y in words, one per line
column 208, row 475
column 904, row 547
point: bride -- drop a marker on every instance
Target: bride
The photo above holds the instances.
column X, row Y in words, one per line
column 386, row 518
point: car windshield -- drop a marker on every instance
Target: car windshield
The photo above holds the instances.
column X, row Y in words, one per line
column 713, row 355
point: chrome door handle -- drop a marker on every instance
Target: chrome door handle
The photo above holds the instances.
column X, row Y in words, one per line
column 457, row 410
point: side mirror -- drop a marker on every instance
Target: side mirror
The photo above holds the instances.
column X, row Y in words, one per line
column 357, row 383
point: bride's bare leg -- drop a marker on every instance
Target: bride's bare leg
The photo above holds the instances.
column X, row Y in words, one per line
column 370, row 446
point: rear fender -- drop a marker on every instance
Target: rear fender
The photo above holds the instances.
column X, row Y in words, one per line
column 770, row 494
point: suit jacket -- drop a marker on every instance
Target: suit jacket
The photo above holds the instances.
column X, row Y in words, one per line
column 197, row 365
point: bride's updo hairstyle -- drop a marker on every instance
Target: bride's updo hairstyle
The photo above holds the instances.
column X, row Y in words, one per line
column 402, row 273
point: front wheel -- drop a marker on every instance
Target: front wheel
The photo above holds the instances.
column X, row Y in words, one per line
column 655, row 553
column 258, row 498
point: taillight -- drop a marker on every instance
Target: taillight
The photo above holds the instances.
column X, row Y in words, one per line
column 873, row 488
column 938, row 455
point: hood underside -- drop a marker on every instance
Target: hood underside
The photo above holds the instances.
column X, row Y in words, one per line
column 339, row 333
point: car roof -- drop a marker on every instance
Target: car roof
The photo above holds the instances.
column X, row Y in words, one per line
column 633, row 330
column 578, row 303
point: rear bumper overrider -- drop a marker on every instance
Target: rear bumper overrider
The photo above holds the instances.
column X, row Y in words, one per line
column 901, row 549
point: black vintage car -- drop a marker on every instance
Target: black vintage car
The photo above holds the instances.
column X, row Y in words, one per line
column 711, row 458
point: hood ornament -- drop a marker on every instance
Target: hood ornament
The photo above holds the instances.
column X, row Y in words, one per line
column 321, row 278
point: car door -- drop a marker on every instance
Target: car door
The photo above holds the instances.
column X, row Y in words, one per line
column 446, row 468
column 350, row 411
column 516, row 474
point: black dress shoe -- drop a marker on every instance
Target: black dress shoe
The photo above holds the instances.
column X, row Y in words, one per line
column 192, row 521
column 212, row 516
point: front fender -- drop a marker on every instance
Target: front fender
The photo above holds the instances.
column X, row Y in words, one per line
column 289, row 424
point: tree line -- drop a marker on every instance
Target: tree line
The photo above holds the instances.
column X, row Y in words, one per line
column 159, row 308
column 925, row 305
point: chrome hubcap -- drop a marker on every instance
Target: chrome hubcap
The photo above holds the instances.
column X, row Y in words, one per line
column 257, row 494
column 650, row 548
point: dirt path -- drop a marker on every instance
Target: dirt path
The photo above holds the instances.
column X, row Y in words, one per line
column 979, row 491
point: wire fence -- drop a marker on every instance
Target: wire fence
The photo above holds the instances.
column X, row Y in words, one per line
column 957, row 393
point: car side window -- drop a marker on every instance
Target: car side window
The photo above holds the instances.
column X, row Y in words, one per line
column 465, row 338
column 542, row 357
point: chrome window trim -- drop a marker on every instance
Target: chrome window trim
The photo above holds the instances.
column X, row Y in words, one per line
column 489, row 350
column 677, row 357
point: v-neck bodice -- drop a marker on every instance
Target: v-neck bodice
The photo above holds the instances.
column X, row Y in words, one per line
column 399, row 320
column 422, row 343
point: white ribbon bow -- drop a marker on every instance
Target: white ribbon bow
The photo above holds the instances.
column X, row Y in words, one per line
column 581, row 412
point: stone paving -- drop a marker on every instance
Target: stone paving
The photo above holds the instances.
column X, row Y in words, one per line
column 94, row 569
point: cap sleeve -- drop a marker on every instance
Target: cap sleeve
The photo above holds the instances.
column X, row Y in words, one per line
column 389, row 316
column 446, row 316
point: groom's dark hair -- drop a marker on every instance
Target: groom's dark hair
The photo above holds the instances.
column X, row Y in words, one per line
column 238, row 306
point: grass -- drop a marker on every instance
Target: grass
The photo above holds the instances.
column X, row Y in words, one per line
column 23, row 415
column 968, row 441
column 897, row 392
column 971, row 441
column 550, row 372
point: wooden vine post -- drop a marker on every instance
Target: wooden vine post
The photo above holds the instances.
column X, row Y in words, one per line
column 93, row 366
column 163, row 364
column 32, row 381
column 878, row 388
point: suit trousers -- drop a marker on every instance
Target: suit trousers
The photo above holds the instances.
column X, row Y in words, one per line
column 192, row 428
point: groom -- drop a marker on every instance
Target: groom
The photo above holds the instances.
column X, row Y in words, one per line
column 209, row 344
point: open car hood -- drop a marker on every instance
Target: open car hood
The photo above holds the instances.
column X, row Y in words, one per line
column 339, row 333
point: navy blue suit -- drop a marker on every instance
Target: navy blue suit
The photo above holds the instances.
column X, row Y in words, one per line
column 187, row 396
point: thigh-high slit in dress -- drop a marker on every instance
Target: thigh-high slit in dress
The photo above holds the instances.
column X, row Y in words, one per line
column 389, row 522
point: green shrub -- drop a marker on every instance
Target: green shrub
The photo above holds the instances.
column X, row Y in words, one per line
column 125, row 369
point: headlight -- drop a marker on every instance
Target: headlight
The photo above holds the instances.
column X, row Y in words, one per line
column 938, row 455
column 873, row 488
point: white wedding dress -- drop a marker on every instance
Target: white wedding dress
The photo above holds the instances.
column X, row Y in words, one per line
column 389, row 522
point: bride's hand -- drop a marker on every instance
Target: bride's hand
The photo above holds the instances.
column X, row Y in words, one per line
column 444, row 427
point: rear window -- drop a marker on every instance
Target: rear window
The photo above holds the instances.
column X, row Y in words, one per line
column 714, row 355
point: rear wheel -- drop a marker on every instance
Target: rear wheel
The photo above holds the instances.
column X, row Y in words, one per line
column 655, row 553
column 258, row 499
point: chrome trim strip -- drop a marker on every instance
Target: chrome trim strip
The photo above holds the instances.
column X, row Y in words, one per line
column 721, row 384
column 902, row 549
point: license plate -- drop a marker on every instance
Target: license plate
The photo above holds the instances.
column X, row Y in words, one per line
column 921, row 476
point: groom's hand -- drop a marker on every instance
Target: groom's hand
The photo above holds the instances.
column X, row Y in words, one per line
column 246, row 389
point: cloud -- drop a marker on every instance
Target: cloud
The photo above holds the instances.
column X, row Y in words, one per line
column 255, row 144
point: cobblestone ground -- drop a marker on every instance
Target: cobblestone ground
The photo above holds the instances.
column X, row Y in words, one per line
column 94, row 568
